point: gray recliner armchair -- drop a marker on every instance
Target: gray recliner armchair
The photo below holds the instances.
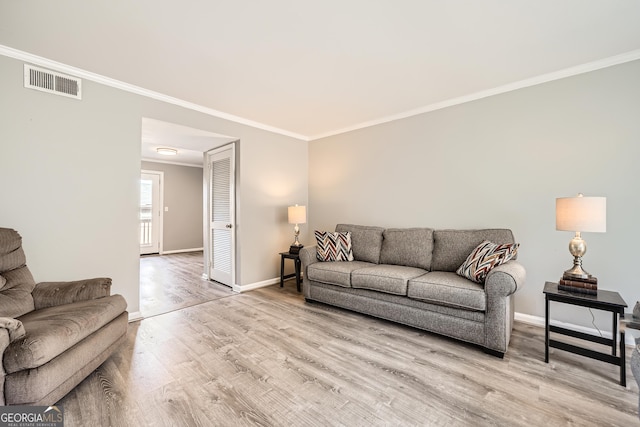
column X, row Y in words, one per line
column 53, row 334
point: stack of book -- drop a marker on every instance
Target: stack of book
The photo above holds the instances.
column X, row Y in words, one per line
column 582, row 286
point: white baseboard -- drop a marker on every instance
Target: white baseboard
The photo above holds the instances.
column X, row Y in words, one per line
column 135, row 316
column 256, row 285
column 539, row 321
column 529, row 319
column 182, row 251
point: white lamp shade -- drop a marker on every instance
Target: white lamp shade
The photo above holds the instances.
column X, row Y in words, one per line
column 297, row 214
column 581, row 214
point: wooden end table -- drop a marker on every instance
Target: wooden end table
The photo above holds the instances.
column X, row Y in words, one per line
column 604, row 300
column 296, row 262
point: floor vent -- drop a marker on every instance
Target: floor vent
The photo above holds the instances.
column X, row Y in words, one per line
column 52, row 82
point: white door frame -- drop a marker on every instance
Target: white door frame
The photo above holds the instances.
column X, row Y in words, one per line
column 160, row 205
column 207, row 211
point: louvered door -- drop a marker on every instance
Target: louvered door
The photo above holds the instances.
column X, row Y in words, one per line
column 221, row 239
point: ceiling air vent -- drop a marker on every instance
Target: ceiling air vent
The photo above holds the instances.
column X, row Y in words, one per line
column 52, row 82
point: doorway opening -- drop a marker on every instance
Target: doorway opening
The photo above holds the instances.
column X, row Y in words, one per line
column 183, row 251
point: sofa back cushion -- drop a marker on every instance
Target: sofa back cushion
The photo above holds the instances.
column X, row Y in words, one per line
column 452, row 247
column 411, row 247
column 366, row 241
column 16, row 282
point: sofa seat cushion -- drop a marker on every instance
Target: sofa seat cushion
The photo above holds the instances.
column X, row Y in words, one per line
column 391, row 279
column 51, row 331
column 446, row 288
column 335, row 273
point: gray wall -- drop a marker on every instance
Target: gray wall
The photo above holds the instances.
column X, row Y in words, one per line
column 182, row 223
column 69, row 181
column 501, row 162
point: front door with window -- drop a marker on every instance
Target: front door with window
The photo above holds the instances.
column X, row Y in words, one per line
column 150, row 212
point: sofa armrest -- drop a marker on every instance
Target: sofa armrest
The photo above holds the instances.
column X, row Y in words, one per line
column 505, row 279
column 49, row 294
column 501, row 283
column 308, row 256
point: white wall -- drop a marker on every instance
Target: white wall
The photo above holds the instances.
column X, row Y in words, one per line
column 69, row 181
column 69, row 174
column 274, row 175
column 501, row 162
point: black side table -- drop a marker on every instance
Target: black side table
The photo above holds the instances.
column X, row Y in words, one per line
column 604, row 300
column 296, row 261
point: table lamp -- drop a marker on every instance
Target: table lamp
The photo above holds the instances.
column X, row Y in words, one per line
column 580, row 214
column 297, row 215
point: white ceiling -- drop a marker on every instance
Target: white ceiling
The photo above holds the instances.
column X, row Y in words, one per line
column 313, row 68
column 189, row 143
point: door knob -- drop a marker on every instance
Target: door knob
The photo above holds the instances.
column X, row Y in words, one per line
column 228, row 226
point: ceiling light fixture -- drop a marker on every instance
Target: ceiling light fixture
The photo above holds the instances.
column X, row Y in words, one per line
column 167, row 151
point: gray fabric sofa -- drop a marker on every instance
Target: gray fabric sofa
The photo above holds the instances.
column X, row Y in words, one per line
column 408, row 276
column 52, row 334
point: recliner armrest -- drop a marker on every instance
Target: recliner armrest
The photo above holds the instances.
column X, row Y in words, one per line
column 13, row 327
column 10, row 330
column 50, row 294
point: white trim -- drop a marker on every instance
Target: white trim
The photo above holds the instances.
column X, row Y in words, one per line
column 107, row 81
column 544, row 78
column 135, row 316
column 181, row 251
column 529, row 319
column 256, row 285
column 556, row 75
column 539, row 321
column 149, row 160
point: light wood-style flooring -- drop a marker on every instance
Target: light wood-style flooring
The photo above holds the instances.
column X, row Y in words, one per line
column 172, row 282
column 267, row 357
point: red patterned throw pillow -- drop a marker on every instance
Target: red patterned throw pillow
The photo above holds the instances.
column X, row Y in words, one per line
column 334, row 246
column 485, row 257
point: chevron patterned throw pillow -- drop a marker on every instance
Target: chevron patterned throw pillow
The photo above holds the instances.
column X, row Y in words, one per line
column 334, row 246
column 484, row 258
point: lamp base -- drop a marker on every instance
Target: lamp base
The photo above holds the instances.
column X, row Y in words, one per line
column 294, row 249
column 577, row 272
